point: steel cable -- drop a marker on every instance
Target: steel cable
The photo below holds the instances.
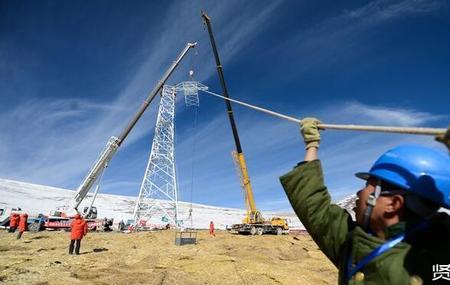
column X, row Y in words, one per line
column 386, row 129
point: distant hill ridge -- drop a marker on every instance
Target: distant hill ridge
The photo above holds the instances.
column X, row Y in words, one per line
column 36, row 199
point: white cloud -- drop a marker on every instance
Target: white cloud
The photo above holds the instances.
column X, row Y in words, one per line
column 382, row 10
column 54, row 141
column 340, row 38
column 390, row 116
column 236, row 34
column 272, row 147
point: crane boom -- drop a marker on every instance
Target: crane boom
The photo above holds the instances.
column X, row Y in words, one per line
column 114, row 143
column 155, row 91
column 94, row 172
column 253, row 215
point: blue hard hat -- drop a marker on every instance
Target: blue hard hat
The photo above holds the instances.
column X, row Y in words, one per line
column 416, row 169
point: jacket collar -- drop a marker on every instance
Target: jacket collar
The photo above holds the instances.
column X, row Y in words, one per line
column 395, row 230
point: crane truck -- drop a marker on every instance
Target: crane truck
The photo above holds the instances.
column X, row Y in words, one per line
column 60, row 217
column 253, row 223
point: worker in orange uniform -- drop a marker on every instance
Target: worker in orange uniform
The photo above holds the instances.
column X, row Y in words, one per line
column 211, row 229
column 78, row 231
column 23, row 224
column 13, row 222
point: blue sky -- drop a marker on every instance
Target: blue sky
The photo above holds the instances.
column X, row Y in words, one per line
column 73, row 73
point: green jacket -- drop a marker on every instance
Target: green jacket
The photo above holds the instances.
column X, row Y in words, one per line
column 338, row 236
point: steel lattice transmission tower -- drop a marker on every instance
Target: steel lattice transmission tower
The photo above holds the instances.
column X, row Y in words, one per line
column 190, row 90
column 158, row 196
column 157, row 200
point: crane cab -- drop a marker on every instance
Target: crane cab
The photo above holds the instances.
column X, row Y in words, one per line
column 92, row 214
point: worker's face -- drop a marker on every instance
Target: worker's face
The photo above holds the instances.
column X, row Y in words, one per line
column 361, row 201
column 385, row 206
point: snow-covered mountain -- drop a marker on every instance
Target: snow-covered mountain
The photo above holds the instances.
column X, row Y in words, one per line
column 35, row 199
column 348, row 203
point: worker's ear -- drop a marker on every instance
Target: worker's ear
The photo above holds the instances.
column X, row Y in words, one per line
column 395, row 204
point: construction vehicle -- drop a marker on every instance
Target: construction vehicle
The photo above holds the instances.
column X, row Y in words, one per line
column 35, row 224
column 5, row 214
column 59, row 217
column 253, row 222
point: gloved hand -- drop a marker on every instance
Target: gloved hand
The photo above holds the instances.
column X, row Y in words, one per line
column 445, row 138
column 310, row 132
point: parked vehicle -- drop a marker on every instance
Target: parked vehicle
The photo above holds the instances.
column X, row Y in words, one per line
column 5, row 213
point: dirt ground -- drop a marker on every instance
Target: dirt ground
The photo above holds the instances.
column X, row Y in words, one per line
column 153, row 258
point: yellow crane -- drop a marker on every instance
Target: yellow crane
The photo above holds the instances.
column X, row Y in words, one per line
column 253, row 223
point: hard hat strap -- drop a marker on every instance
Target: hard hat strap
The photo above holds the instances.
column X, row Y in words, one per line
column 371, row 202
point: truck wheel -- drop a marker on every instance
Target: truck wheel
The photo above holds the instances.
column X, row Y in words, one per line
column 259, row 231
column 34, row 227
column 253, row 230
column 279, row 231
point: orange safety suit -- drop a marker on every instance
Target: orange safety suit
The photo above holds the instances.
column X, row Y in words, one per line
column 13, row 220
column 78, row 228
column 23, row 222
column 211, row 229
